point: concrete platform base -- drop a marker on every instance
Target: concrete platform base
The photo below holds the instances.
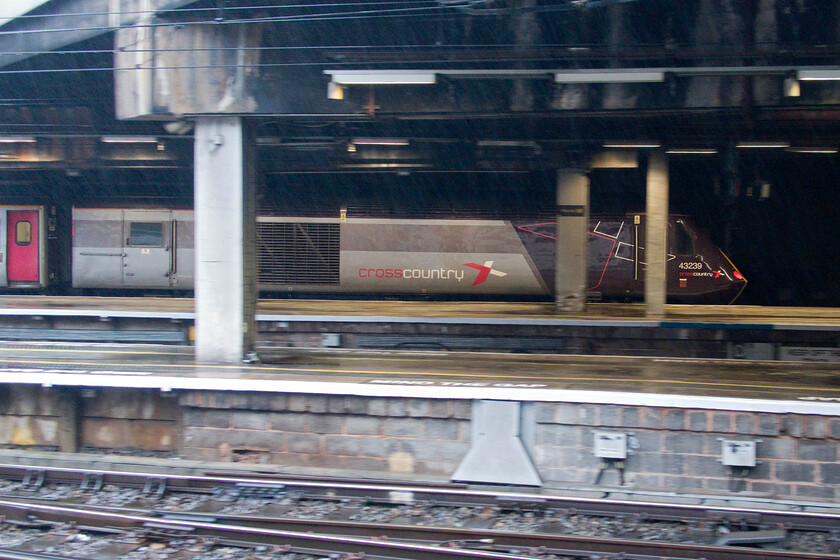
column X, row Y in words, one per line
column 669, row 449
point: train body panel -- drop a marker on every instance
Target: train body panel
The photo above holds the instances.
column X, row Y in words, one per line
column 399, row 256
column 23, row 254
column 133, row 248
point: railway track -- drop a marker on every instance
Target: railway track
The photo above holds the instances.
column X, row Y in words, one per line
column 135, row 531
column 381, row 519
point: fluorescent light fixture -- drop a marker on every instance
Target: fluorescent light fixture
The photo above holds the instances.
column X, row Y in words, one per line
column 699, row 151
column 821, row 74
column 381, row 77
column 579, row 76
column 497, row 74
column 614, row 76
column 129, row 139
column 363, row 166
column 632, row 144
column 16, row 139
column 379, row 141
column 763, row 145
column 303, row 145
column 813, row 150
column 507, row 144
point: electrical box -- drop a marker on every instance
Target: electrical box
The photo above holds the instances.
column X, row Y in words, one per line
column 610, row 445
column 738, row 453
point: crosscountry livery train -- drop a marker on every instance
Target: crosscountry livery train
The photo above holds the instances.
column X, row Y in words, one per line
column 148, row 249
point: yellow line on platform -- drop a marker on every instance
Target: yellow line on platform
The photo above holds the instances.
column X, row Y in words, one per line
column 438, row 374
column 324, row 358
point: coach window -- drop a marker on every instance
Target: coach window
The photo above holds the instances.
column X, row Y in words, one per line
column 23, row 233
column 683, row 240
column 146, row 234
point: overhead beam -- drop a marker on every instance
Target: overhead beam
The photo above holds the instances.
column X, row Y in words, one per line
column 60, row 23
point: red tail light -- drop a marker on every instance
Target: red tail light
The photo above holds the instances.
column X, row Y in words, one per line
column 739, row 276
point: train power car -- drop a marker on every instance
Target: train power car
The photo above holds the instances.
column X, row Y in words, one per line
column 23, row 253
column 481, row 257
column 150, row 249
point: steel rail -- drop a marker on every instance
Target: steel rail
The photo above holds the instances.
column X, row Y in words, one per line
column 394, row 493
column 492, row 539
column 455, row 549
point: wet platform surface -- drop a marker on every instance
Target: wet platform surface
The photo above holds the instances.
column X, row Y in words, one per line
column 807, row 388
column 683, row 382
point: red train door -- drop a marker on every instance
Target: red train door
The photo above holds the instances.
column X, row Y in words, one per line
column 22, row 242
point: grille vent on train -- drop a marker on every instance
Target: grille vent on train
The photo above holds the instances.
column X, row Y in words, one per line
column 298, row 253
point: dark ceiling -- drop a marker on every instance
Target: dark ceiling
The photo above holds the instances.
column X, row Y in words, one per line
column 481, row 142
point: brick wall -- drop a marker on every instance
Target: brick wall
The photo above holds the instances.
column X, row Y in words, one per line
column 411, row 436
column 671, row 449
column 679, row 450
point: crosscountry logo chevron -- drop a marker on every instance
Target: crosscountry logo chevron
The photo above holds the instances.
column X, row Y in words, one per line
column 484, row 271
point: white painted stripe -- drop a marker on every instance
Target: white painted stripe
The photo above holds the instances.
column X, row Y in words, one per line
column 130, row 379
column 103, row 313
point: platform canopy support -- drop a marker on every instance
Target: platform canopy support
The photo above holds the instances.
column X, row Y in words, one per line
column 656, row 235
column 225, row 218
column 571, row 244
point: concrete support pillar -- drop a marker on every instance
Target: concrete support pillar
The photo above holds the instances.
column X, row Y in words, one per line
column 225, row 222
column 572, row 240
column 656, row 235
